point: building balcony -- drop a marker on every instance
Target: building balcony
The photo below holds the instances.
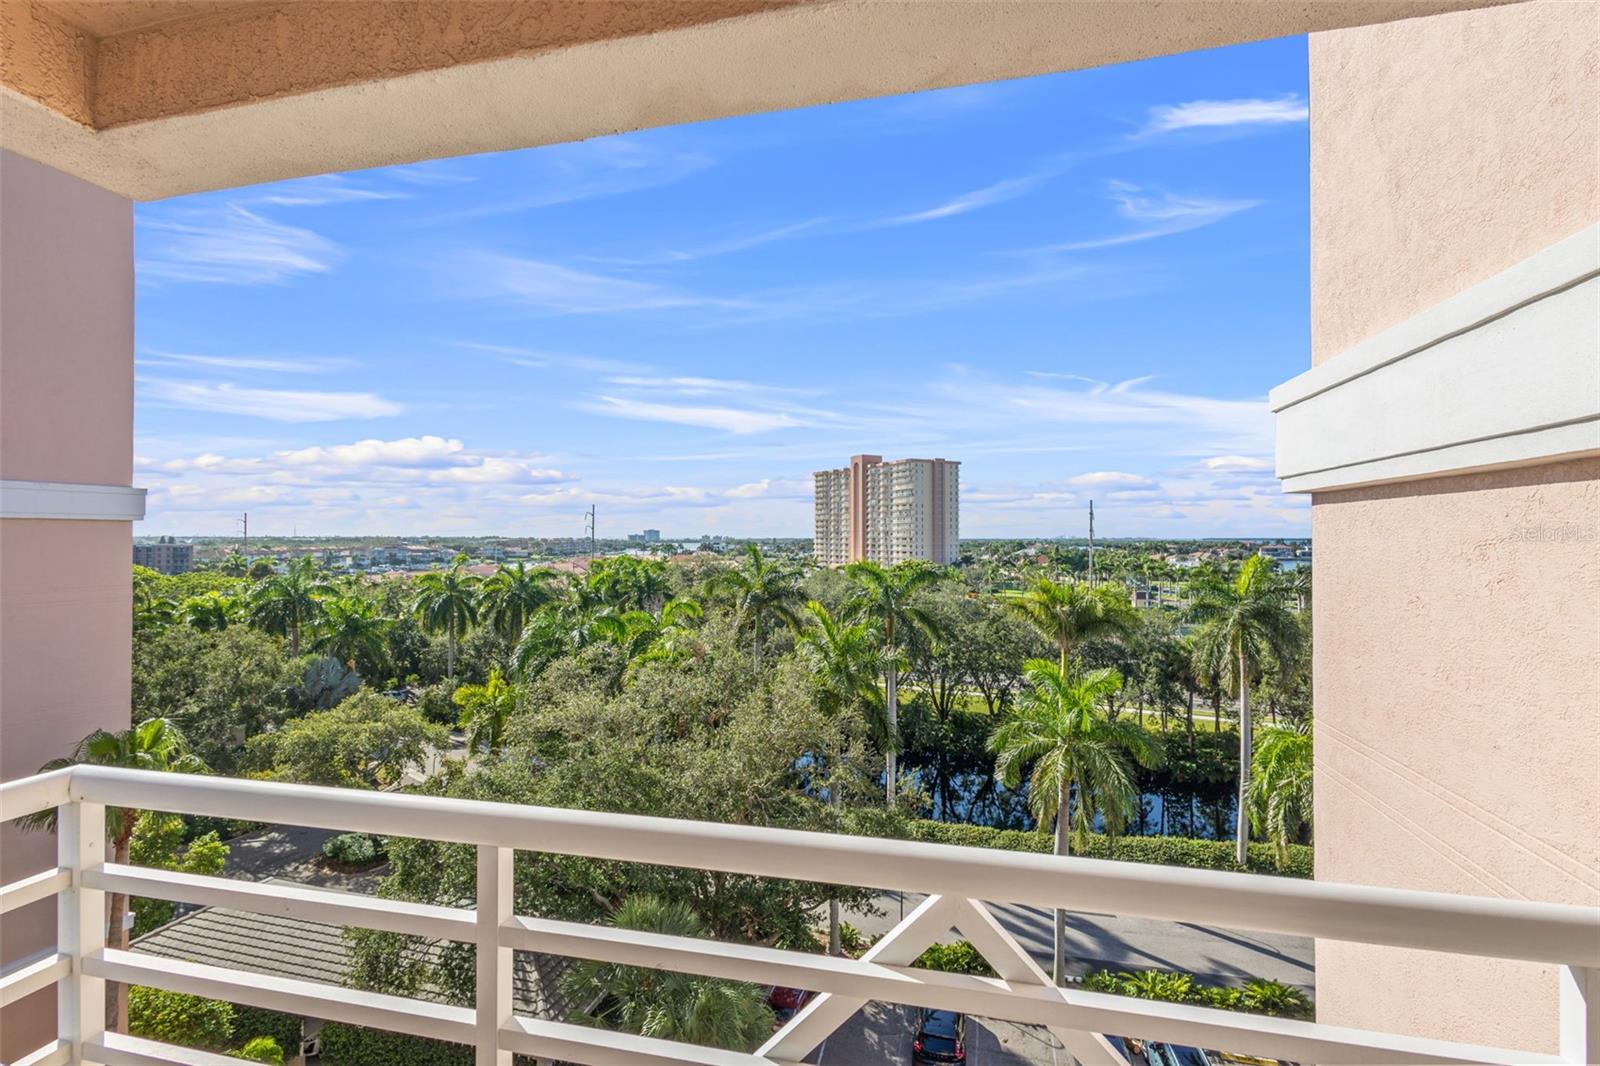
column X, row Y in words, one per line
column 959, row 882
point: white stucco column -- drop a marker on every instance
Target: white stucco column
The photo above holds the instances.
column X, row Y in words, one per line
column 66, row 461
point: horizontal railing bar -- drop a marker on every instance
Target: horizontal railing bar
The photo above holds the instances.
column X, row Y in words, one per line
column 1511, row 929
column 990, row 998
column 119, row 1049
column 30, row 795
column 309, row 999
column 41, row 885
column 326, row 905
column 542, row 1039
column 55, row 1053
column 33, row 973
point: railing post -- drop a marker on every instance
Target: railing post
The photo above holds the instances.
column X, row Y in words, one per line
column 80, row 925
column 496, row 900
column 1580, row 1014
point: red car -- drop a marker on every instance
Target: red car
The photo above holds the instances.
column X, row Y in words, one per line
column 786, row 1002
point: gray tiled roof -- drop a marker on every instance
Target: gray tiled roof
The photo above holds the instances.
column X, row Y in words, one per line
column 313, row 951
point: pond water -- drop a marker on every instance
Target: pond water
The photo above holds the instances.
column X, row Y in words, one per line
column 977, row 799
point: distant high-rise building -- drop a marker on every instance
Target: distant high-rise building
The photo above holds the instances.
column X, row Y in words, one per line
column 167, row 556
column 888, row 512
column 652, row 536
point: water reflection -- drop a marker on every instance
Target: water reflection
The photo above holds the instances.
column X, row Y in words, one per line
column 978, row 799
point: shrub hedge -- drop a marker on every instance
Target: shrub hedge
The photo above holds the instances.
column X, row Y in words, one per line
column 1258, row 996
column 352, row 1045
column 355, row 849
column 960, row 957
column 1163, row 851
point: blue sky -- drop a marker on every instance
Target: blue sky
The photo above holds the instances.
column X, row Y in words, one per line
column 1081, row 286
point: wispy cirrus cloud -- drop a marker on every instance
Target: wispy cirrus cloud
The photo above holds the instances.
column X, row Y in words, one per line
column 585, row 170
column 997, row 192
column 278, row 405
column 1251, row 111
column 318, row 192
column 728, row 245
column 231, row 245
column 1160, row 214
column 270, row 364
column 559, row 289
column 542, row 359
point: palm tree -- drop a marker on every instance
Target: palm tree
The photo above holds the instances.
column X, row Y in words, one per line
column 764, row 592
column 647, row 637
column 154, row 744
column 510, row 598
column 661, row 1003
column 485, row 709
column 286, row 604
column 884, row 595
column 1280, row 786
column 1069, row 613
column 1244, row 619
column 353, row 632
column 211, row 612
column 1076, row 751
column 447, row 600
column 845, row 661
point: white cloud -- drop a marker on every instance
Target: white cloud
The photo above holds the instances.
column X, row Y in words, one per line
column 1109, row 477
column 997, row 193
column 1238, row 462
column 229, row 245
column 279, row 405
column 273, row 364
column 1159, row 215
column 563, row 290
column 735, row 420
column 1253, row 111
column 726, row 246
column 319, row 191
column 586, row 170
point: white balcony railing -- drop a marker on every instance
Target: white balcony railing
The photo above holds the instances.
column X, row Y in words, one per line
column 956, row 879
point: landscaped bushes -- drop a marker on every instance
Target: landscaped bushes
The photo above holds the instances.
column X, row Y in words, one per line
column 1163, row 851
column 355, row 849
column 211, row 1024
column 352, row 1045
column 1256, row 997
column 960, row 957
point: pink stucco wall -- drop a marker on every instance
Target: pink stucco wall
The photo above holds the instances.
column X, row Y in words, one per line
column 1444, row 150
column 1458, row 618
column 66, row 414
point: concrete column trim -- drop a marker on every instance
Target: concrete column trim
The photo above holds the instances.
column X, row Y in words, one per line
column 63, row 500
column 1504, row 373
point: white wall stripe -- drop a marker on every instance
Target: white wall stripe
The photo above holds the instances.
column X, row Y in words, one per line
column 65, row 500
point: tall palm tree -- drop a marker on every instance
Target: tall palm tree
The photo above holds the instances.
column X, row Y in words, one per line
column 509, row 598
column 660, row 1003
column 447, row 602
column 1075, row 751
column 353, row 632
column 154, row 744
column 485, row 710
column 289, row 603
column 1070, row 612
column 765, row 592
column 1280, row 786
column 845, row 661
column 211, row 612
column 884, row 596
column 1243, row 620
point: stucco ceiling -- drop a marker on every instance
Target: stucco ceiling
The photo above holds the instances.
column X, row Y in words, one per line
column 153, row 98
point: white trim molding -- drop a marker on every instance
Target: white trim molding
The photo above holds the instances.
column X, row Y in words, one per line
column 65, row 500
column 1506, row 373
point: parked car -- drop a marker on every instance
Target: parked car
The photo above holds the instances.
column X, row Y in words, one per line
column 786, row 1002
column 1126, row 1047
column 940, row 1038
column 1175, row 1055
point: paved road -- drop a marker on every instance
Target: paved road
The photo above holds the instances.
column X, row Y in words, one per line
column 880, row 1035
column 1101, row 942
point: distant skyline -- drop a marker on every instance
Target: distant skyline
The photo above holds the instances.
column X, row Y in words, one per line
column 1080, row 285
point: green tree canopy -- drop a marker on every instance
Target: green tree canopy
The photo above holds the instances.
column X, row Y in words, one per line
column 367, row 741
